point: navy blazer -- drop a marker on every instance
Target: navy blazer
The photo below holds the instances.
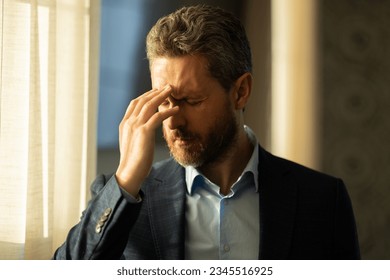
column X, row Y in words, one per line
column 304, row 214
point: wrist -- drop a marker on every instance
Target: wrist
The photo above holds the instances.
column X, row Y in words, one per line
column 128, row 184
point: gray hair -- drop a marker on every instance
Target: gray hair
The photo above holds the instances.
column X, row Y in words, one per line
column 207, row 31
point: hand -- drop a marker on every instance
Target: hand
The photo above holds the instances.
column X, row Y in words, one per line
column 137, row 135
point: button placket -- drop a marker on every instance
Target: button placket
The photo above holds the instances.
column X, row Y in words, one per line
column 224, row 236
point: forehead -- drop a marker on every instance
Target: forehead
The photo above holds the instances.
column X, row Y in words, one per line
column 188, row 72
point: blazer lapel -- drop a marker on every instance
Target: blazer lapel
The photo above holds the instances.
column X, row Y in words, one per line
column 278, row 198
column 166, row 207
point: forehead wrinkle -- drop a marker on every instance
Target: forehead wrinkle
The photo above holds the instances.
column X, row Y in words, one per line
column 186, row 80
column 184, row 86
column 182, row 92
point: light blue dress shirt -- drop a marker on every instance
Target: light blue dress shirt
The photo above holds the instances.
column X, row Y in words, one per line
column 219, row 226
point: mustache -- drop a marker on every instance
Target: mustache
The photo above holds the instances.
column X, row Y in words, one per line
column 182, row 134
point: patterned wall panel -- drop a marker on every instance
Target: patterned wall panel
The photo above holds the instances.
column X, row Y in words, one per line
column 356, row 98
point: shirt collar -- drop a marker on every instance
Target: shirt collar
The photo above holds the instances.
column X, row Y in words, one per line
column 192, row 173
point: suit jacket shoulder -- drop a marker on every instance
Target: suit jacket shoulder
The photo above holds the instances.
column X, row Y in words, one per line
column 305, row 214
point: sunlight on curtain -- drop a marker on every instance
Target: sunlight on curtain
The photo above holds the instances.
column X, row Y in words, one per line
column 48, row 101
column 295, row 115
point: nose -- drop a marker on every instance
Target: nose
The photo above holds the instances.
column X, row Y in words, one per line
column 176, row 121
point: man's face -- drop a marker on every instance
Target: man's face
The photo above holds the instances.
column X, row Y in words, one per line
column 205, row 128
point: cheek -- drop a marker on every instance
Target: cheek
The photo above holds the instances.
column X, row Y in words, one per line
column 196, row 117
column 202, row 123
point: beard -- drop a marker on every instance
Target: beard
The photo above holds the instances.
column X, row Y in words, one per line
column 191, row 149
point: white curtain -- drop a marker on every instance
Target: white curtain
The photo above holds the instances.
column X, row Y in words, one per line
column 48, row 96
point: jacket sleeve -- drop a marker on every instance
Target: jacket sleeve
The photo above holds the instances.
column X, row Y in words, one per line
column 104, row 226
column 345, row 236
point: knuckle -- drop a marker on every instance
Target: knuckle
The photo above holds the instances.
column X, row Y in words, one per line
column 132, row 104
column 126, row 123
column 148, row 105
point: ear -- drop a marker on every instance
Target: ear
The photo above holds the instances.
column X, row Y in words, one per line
column 242, row 90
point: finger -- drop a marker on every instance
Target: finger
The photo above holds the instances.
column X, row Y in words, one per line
column 135, row 103
column 146, row 100
column 151, row 103
column 157, row 119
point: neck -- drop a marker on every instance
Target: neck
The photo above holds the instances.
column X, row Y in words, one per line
column 226, row 172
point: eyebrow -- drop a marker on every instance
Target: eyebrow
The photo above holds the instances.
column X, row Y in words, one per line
column 187, row 96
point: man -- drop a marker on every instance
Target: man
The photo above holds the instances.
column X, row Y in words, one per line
column 221, row 195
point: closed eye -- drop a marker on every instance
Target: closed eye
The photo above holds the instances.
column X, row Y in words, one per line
column 194, row 102
column 189, row 101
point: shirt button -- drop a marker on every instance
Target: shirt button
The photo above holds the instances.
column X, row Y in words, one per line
column 226, row 248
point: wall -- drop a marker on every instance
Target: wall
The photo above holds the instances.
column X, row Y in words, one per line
column 256, row 16
column 356, row 120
